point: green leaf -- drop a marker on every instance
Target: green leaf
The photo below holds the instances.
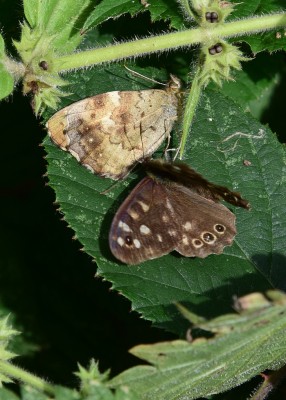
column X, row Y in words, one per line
column 270, row 41
column 2, row 47
column 109, row 9
column 255, row 94
column 64, row 19
column 182, row 370
column 167, row 11
column 6, row 333
column 6, row 394
column 33, row 11
column 222, row 138
column 7, row 83
column 6, row 79
column 55, row 28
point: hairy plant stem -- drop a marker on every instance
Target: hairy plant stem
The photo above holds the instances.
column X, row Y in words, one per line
column 190, row 107
column 167, row 41
column 8, row 369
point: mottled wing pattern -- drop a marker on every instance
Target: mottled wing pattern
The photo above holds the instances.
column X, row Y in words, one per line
column 143, row 226
column 206, row 227
column 156, row 219
column 109, row 132
column 184, row 175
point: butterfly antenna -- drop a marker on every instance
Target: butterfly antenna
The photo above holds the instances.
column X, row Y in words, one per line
column 110, row 187
column 144, row 77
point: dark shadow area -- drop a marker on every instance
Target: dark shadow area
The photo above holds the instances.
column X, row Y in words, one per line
column 273, row 267
column 272, row 115
column 45, row 281
column 270, row 67
column 220, row 301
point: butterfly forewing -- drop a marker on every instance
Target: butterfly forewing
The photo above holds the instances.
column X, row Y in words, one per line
column 144, row 225
column 110, row 132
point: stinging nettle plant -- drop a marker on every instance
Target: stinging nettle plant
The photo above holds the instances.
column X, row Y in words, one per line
column 63, row 56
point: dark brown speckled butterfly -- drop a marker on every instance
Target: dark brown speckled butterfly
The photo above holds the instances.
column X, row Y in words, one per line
column 173, row 208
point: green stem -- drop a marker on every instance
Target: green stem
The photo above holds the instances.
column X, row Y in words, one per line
column 14, row 372
column 190, row 108
column 187, row 9
column 167, row 41
column 252, row 25
column 270, row 383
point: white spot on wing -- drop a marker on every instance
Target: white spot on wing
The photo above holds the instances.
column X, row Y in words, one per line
column 122, row 225
column 144, row 230
column 120, row 241
column 169, row 205
column 172, row 232
column 107, row 122
column 159, row 237
column 137, row 244
column 187, row 226
column 165, row 218
column 185, row 240
column 74, row 154
column 144, row 206
column 133, row 214
column 87, row 166
column 114, row 97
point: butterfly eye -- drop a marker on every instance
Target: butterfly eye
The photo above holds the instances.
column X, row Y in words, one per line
column 128, row 240
column 208, row 237
column 197, row 243
column 219, row 228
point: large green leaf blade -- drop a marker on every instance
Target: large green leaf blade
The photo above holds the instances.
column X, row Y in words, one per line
column 182, row 370
column 158, row 10
column 270, row 41
column 222, row 139
column 6, row 79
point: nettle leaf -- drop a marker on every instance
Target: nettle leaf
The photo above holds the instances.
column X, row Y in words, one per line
column 107, row 9
column 255, row 95
column 230, row 148
column 6, row 333
column 6, row 79
column 53, row 24
column 272, row 40
column 6, row 394
column 182, row 370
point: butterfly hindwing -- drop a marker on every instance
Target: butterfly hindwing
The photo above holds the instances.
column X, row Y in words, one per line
column 205, row 227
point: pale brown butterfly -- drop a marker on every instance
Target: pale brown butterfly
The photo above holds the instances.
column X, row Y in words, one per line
column 110, row 132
